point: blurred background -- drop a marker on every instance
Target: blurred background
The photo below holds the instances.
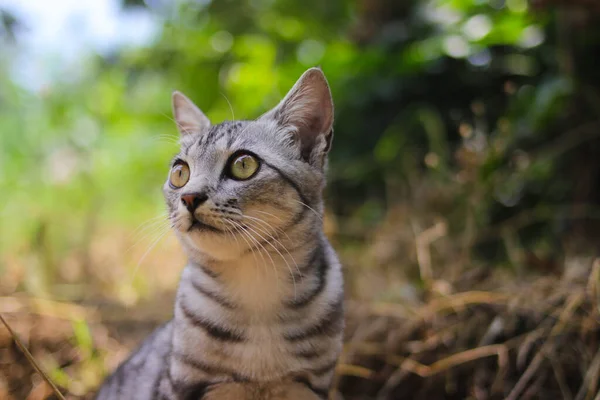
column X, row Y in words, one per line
column 466, row 162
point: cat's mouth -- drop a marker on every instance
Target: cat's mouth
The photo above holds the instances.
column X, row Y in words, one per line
column 197, row 225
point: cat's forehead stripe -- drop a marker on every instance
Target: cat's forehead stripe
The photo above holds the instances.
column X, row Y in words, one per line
column 228, row 129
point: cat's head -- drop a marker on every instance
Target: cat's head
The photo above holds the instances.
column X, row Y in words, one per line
column 239, row 184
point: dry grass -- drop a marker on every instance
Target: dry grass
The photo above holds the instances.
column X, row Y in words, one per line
column 534, row 339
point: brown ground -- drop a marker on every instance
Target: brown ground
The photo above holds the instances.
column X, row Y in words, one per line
column 470, row 339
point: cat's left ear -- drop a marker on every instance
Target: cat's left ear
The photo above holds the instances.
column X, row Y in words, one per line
column 308, row 110
column 188, row 117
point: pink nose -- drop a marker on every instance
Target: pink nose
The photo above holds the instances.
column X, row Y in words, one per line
column 193, row 200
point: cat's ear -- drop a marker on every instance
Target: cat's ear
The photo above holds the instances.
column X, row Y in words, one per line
column 308, row 110
column 188, row 117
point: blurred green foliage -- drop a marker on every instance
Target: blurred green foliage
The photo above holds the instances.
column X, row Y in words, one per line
column 492, row 102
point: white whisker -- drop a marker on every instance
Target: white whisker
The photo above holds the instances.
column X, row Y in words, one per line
column 176, row 123
column 310, row 208
column 266, row 232
column 148, row 222
column 261, row 247
column 152, row 245
column 148, row 226
column 251, row 246
column 230, row 107
column 232, row 233
column 278, row 252
column 272, row 215
column 268, row 226
column 150, row 231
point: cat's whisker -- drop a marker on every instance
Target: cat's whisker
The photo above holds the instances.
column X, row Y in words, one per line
column 262, row 247
column 251, row 247
column 150, row 248
column 266, row 232
column 150, row 232
column 232, row 234
column 244, row 232
column 166, row 138
column 237, row 228
column 281, row 255
column 175, row 138
column 149, row 225
column 272, row 237
column 179, row 126
column 152, row 222
column 268, row 225
column 161, row 215
column 310, row 208
column 230, row 106
column 164, row 142
column 272, row 215
column 278, row 252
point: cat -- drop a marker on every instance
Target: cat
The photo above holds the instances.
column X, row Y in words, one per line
column 259, row 308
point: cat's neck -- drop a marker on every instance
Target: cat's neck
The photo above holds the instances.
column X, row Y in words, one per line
column 262, row 279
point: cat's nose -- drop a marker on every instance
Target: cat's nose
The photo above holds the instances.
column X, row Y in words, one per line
column 193, row 200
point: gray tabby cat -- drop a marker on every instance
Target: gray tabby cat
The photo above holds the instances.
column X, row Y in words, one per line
column 259, row 309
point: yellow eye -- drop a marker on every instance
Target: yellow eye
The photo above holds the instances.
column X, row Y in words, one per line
column 243, row 167
column 180, row 175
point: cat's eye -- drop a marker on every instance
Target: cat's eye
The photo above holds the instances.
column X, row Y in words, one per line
column 244, row 166
column 180, row 175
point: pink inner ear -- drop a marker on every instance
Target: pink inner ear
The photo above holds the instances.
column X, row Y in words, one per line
column 187, row 115
column 308, row 107
column 316, row 124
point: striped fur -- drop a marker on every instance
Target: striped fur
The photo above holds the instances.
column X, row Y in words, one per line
column 259, row 308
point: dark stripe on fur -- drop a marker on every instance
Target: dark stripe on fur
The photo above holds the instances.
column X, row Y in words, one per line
column 195, row 392
column 299, row 216
column 184, row 391
column 290, row 181
column 321, row 392
column 212, row 329
column 217, row 298
column 308, row 354
column 213, row 132
column 171, row 382
column 188, row 147
column 274, row 236
column 199, row 365
column 307, row 298
column 207, row 271
column 305, row 270
column 330, row 324
column 325, row 369
column 119, row 384
column 128, row 367
column 316, row 257
column 156, row 386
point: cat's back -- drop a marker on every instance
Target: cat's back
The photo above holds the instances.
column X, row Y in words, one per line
column 145, row 367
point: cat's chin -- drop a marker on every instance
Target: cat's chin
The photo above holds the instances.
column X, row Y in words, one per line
column 202, row 227
column 202, row 243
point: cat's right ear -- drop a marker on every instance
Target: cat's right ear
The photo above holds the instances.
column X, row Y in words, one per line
column 188, row 117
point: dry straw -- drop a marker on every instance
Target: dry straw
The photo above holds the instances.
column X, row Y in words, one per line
column 535, row 339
